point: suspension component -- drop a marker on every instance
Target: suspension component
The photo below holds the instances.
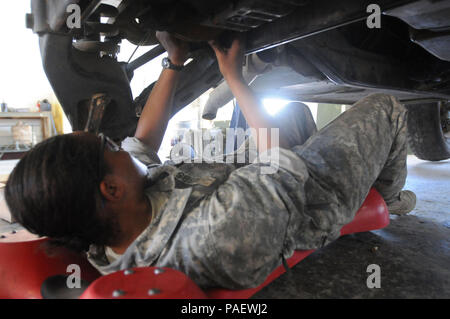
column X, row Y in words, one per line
column 90, row 40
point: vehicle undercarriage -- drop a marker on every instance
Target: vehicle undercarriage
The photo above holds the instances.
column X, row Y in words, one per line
column 312, row 51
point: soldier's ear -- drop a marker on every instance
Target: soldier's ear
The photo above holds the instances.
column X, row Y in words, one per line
column 112, row 188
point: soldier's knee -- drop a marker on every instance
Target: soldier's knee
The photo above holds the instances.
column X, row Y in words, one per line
column 386, row 101
column 396, row 104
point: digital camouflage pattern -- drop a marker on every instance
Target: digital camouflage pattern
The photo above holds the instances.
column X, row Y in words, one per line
column 230, row 227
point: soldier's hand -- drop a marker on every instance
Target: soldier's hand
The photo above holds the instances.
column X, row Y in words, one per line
column 177, row 49
column 230, row 60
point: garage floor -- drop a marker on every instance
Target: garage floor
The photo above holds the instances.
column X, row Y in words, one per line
column 413, row 252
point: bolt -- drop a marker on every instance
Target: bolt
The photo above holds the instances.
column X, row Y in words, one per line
column 118, row 293
column 154, row 291
column 13, row 232
column 158, row 271
column 2, row 236
column 128, row 272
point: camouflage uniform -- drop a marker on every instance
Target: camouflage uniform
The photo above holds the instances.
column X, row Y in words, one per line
column 230, row 227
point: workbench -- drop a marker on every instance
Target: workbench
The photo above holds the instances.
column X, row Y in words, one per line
column 42, row 127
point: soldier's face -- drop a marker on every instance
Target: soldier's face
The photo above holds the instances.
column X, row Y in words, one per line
column 119, row 162
column 122, row 163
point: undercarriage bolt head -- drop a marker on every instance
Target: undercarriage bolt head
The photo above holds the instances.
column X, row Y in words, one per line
column 118, row 293
column 158, row 271
column 153, row 291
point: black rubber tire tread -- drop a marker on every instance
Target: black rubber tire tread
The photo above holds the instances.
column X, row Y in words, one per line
column 425, row 134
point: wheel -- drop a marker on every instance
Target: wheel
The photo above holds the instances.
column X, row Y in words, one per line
column 429, row 130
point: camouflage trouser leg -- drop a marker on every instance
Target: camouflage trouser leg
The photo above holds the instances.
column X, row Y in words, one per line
column 364, row 147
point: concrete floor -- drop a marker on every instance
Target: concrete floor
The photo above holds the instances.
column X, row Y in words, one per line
column 413, row 252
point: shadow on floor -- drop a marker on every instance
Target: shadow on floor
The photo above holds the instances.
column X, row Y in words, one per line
column 413, row 255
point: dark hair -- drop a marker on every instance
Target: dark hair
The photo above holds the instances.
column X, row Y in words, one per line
column 54, row 191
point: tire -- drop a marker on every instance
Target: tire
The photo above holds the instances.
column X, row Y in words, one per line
column 428, row 130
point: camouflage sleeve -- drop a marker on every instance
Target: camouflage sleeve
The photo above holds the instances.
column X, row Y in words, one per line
column 140, row 151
